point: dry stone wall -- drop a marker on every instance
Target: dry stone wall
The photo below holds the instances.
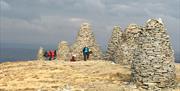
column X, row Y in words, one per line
column 84, row 38
column 63, row 52
column 153, row 62
column 113, row 43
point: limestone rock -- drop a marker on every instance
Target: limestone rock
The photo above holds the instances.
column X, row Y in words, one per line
column 113, row 43
column 84, row 38
column 63, row 51
column 40, row 54
column 153, row 62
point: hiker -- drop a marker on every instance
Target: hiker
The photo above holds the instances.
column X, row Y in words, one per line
column 55, row 55
column 73, row 59
column 46, row 55
column 90, row 53
column 49, row 55
column 52, row 55
column 86, row 53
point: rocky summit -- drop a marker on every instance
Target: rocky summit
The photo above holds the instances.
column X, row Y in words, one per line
column 89, row 75
column 145, row 49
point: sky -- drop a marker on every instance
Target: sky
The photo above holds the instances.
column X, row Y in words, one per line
column 51, row 21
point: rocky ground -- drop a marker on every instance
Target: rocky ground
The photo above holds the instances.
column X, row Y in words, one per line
column 68, row 76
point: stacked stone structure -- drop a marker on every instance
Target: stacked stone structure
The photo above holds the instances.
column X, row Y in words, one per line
column 126, row 45
column 84, row 38
column 121, row 51
column 153, row 62
column 147, row 49
column 40, row 54
column 113, row 43
column 131, row 34
column 63, row 52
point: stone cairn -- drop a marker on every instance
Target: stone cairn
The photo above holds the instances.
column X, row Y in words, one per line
column 113, row 43
column 130, row 35
column 40, row 54
column 153, row 62
column 119, row 56
column 86, row 38
column 63, row 51
column 126, row 45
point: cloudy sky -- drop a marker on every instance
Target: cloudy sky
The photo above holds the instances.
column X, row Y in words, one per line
column 50, row 21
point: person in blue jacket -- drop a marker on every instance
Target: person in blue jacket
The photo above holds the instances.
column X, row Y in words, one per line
column 86, row 53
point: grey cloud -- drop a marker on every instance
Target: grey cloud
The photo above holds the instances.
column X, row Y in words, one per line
column 55, row 20
column 4, row 5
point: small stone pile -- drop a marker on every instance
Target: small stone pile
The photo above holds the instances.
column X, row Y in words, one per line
column 63, row 51
column 84, row 38
column 153, row 62
column 40, row 54
column 113, row 43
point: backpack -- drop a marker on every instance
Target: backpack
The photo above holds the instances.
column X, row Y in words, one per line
column 86, row 49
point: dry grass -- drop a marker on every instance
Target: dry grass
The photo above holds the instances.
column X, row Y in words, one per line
column 178, row 71
column 54, row 76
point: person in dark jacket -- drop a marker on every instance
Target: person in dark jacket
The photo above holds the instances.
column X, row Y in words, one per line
column 46, row 55
column 55, row 54
column 86, row 53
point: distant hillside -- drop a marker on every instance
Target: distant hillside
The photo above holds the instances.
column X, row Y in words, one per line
column 14, row 54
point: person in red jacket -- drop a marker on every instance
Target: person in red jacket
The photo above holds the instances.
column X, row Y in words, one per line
column 52, row 54
column 49, row 55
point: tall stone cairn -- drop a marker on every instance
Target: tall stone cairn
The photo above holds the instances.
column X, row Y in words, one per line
column 126, row 45
column 84, row 38
column 63, row 52
column 153, row 65
column 131, row 34
column 119, row 54
column 40, row 54
column 113, row 43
